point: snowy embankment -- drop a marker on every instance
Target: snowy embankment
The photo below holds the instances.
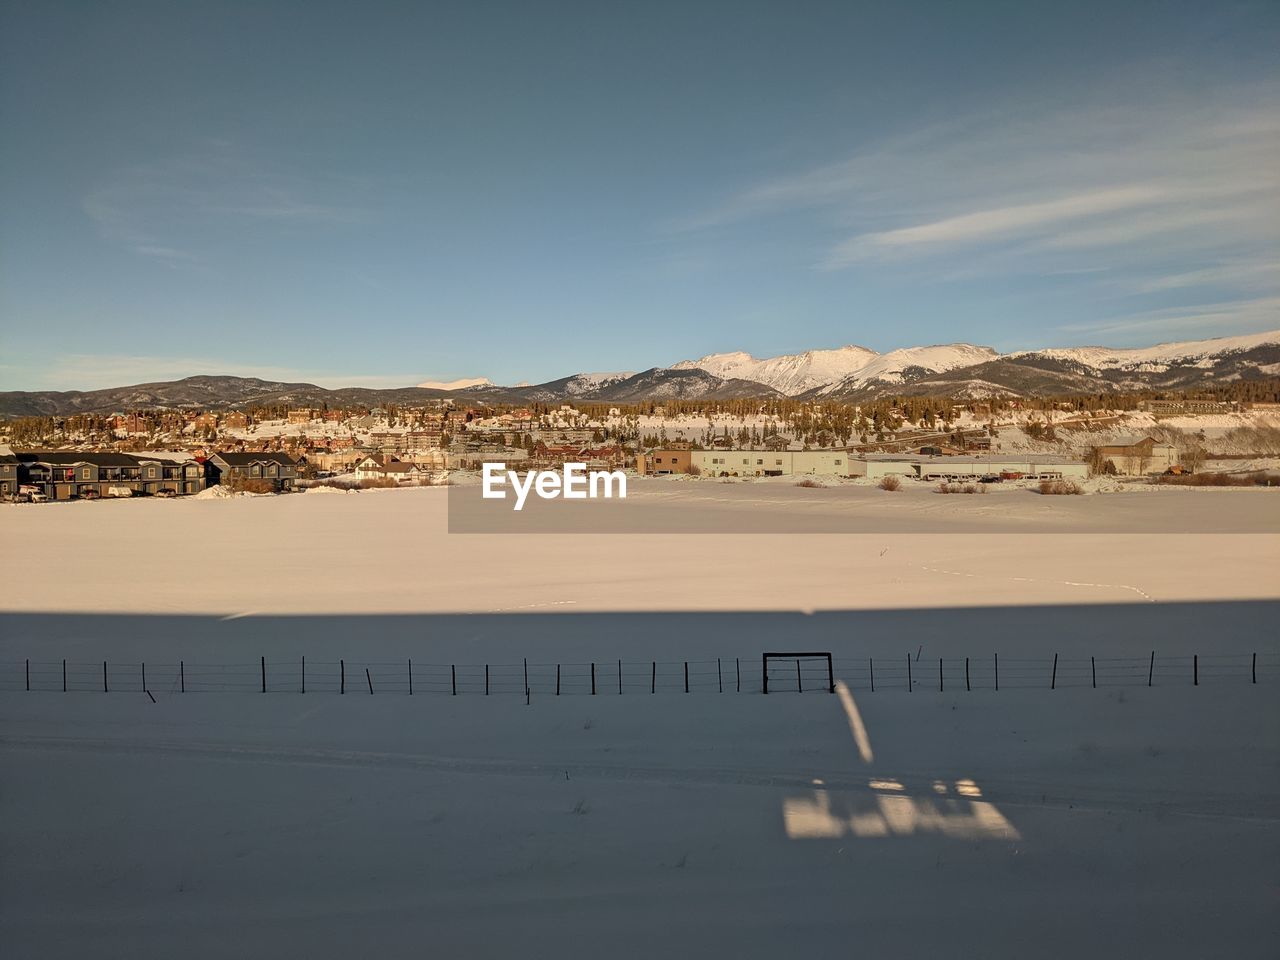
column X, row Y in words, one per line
column 391, row 551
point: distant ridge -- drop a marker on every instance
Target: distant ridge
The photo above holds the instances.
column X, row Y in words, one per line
column 849, row 373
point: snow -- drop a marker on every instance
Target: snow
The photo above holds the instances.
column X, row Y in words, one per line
column 586, row 382
column 851, row 365
column 788, row 374
column 1160, row 355
column 1124, row 820
column 461, row 384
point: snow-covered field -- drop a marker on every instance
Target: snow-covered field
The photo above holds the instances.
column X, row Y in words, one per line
column 1124, row 820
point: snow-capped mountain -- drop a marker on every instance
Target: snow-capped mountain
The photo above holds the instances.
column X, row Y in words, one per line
column 901, row 366
column 790, row 374
column 843, row 367
column 457, row 384
column 845, row 373
column 1159, row 357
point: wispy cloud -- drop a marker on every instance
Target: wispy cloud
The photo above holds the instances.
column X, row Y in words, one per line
column 1181, row 179
column 179, row 208
column 1246, row 274
column 1200, row 320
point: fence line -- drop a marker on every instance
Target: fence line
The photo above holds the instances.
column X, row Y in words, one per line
column 954, row 675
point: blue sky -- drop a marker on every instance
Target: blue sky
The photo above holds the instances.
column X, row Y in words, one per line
column 383, row 193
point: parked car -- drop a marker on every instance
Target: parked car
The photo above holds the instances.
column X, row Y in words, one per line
column 991, row 478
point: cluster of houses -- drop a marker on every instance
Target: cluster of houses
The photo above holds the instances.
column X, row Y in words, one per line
column 67, row 475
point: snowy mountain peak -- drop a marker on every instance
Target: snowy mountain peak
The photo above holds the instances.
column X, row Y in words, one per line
column 791, row 374
column 1162, row 354
column 457, row 384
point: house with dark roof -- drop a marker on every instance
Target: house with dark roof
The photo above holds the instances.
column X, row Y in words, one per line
column 278, row 469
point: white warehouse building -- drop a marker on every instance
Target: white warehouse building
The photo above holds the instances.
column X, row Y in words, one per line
column 768, row 463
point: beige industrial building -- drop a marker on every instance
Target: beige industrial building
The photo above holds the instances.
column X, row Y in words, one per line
column 1138, row 456
column 768, row 463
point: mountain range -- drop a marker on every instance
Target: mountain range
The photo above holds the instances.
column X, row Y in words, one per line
column 849, row 373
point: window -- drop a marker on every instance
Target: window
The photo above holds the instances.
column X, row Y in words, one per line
column 759, row 463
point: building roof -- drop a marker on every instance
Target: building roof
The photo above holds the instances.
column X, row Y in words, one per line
column 245, row 459
column 69, row 457
column 1131, row 440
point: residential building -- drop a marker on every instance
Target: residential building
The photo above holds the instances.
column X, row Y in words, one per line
column 278, row 469
column 8, row 475
column 65, row 475
column 388, row 468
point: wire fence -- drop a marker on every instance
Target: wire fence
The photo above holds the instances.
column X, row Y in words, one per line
column 797, row 673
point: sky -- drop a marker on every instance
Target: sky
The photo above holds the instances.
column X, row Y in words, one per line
column 378, row 194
